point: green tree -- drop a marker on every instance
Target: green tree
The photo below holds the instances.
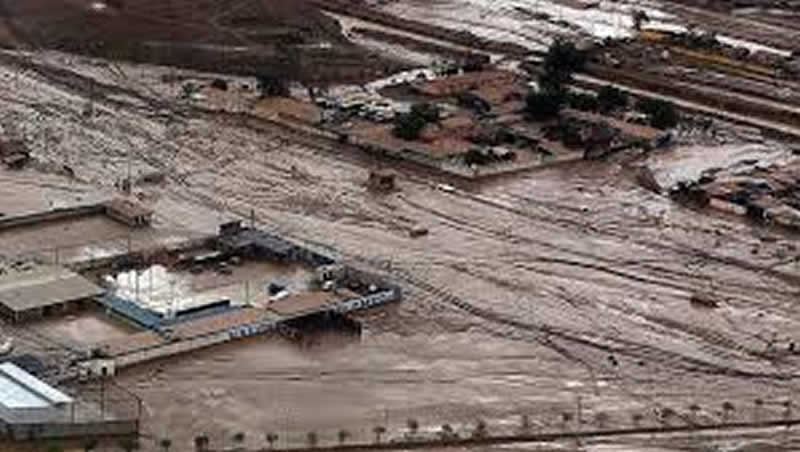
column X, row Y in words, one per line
column 662, row 114
column 408, row 126
column 610, row 98
column 90, row 445
column 270, row 86
column 562, row 60
column 582, row 101
column 54, row 448
column 544, row 105
column 428, row 111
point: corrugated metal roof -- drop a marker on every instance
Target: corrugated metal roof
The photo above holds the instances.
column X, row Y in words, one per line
column 19, row 389
column 44, row 286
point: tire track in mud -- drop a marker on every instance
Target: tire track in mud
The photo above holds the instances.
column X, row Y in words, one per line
column 639, row 350
column 509, row 237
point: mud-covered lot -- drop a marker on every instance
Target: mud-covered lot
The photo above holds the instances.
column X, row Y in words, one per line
column 530, row 292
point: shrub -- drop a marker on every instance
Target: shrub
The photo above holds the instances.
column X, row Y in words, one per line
column 610, row 98
column 662, row 114
column 582, row 102
column 408, row 126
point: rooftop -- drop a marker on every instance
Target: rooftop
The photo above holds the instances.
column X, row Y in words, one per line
column 19, row 389
column 44, row 286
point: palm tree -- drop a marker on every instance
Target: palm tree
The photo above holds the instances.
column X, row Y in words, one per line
column 129, row 444
column 525, row 423
column 238, row 440
column 601, row 419
column 312, row 439
column 201, row 443
column 343, row 436
column 566, row 418
column 413, row 425
column 271, row 438
column 695, row 409
column 481, row 430
column 759, row 405
column 667, row 414
column 379, row 430
column 639, row 17
column 446, row 433
column 165, row 444
column 90, row 445
column 727, row 410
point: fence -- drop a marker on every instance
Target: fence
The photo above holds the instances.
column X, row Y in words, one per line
column 543, row 422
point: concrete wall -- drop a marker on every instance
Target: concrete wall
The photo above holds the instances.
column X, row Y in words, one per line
column 173, row 348
column 51, row 215
column 29, row 432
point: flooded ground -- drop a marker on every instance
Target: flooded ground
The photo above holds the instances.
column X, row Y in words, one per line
column 531, row 292
column 82, row 329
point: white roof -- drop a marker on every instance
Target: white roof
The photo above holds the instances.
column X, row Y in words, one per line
column 19, row 389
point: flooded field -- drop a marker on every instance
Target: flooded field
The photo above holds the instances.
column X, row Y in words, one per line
column 536, row 293
column 82, row 329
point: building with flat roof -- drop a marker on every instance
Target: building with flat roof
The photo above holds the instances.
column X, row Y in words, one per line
column 21, row 390
column 41, row 291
